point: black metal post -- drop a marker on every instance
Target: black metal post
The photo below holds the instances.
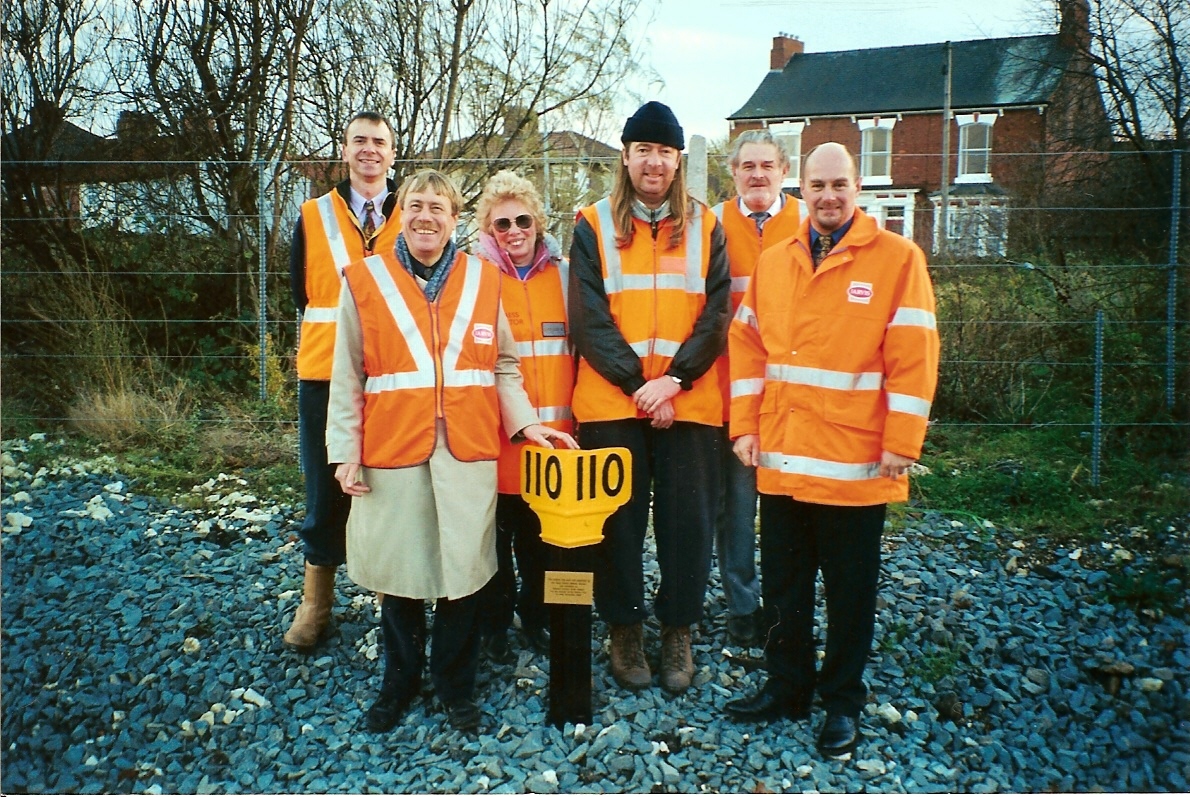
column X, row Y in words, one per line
column 570, row 646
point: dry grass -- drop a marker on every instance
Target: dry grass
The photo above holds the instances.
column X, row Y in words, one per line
column 124, row 418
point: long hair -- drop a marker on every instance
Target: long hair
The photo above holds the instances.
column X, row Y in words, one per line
column 507, row 185
column 623, row 195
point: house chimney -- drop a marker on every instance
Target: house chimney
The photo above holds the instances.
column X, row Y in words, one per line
column 1074, row 32
column 518, row 116
column 785, row 46
column 136, row 126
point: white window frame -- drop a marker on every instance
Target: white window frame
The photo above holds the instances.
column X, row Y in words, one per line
column 867, row 154
column 793, row 129
column 967, row 124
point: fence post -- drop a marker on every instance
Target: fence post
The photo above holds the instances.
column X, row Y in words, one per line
column 1171, row 299
column 1097, row 422
column 262, row 289
column 696, row 163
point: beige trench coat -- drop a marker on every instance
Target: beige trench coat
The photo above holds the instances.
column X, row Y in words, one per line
column 427, row 531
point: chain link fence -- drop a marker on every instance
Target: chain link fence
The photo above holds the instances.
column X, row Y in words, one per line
column 1051, row 312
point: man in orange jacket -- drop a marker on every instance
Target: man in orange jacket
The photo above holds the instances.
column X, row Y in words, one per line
column 650, row 295
column 834, row 361
column 757, row 217
column 347, row 223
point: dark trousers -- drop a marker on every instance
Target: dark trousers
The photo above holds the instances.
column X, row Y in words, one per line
column 454, row 645
column 797, row 540
column 678, row 469
column 324, row 531
column 518, row 530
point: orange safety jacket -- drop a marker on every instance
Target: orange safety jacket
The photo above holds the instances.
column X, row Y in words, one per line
column 744, row 245
column 426, row 360
column 831, row 368
column 536, row 312
column 656, row 295
column 333, row 240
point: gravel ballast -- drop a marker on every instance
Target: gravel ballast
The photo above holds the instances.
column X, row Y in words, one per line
column 142, row 654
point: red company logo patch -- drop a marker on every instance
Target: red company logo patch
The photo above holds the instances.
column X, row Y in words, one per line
column 482, row 334
column 860, row 292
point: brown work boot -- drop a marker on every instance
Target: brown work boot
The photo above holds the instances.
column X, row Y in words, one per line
column 314, row 614
column 629, row 667
column 677, row 665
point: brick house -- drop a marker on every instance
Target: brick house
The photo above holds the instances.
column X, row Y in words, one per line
column 1026, row 119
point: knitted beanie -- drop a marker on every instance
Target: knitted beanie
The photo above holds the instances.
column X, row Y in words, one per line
column 654, row 123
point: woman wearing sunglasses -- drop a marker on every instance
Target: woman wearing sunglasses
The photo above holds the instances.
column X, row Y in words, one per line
column 511, row 221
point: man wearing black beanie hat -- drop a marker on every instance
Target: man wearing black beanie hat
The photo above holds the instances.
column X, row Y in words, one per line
column 650, row 307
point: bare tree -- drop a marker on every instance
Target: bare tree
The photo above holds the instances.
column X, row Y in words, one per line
column 1139, row 51
column 468, row 78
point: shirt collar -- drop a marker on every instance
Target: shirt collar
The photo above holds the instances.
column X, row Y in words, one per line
column 836, row 236
column 774, row 208
column 358, row 200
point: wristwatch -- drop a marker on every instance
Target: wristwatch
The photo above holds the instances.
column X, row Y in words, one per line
column 677, row 380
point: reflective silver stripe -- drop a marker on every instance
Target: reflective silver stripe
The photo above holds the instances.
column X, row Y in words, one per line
column 820, row 377
column 472, row 272
column 745, row 315
column 469, row 377
column 665, row 348
column 808, row 466
column 913, row 317
column 613, row 282
column 405, row 381
column 695, row 282
column 641, row 347
column 645, row 282
column 542, row 348
column 320, row 315
column 746, row 387
column 554, row 413
column 671, row 282
column 910, row 405
column 423, row 361
column 718, row 211
column 740, row 284
column 325, row 205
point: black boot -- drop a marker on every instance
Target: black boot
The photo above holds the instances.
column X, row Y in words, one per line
column 402, row 635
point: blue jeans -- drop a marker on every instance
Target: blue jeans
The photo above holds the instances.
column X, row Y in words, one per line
column 735, row 535
column 324, row 531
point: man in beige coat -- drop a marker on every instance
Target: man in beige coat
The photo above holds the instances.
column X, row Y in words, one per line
column 425, row 369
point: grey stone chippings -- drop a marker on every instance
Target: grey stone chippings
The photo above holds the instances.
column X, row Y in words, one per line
column 142, row 654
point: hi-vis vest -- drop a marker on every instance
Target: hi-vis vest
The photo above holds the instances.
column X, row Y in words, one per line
column 656, row 294
column 744, row 245
column 427, row 360
column 832, row 367
column 333, row 241
column 536, row 312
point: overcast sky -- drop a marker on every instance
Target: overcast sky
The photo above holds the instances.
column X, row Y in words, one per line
column 711, row 54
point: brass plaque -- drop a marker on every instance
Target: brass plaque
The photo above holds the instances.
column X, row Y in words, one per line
column 572, row 588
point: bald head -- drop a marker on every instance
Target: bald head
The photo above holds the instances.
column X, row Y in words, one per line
column 830, row 186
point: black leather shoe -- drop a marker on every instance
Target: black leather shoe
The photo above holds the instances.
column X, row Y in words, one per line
column 744, row 629
column 495, row 648
column 838, row 736
column 767, row 705
column 389, row 707
column 537, row 639
column 462, row 713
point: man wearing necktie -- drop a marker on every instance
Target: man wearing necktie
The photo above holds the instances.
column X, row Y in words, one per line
column 758, row 216
column 834, row 361
column 351, row 221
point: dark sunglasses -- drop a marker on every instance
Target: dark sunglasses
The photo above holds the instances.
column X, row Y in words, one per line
column 524, row 221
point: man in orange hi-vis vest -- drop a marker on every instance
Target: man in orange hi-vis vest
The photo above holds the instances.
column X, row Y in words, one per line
column 425, row 379
column 834, row 361
column 757, row 217
column 352, row 220
column 649, row 308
